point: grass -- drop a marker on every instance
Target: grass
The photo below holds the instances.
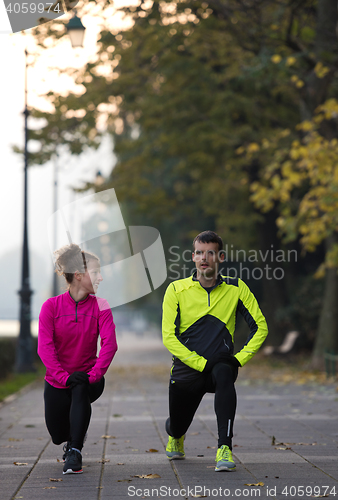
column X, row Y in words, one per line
column 294, row 369
column 16, row 381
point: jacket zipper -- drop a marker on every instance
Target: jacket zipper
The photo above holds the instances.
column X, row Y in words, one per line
column 213, row 288
column 210, row 293
column 75, row 312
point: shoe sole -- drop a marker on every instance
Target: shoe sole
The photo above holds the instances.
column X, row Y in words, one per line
column 225, row 469
column 176, row 457
column 71, row 471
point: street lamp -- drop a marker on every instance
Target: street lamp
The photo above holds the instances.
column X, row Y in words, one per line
column 76, row 31
column 24, row 353
column 99, row 179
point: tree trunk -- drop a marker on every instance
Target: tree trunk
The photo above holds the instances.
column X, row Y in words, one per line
column 326, row 51
column 327, row 333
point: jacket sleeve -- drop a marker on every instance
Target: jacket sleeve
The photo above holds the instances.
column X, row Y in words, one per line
column 108, row 345
column 46, row 346
column 249, row 308
column 170, row 328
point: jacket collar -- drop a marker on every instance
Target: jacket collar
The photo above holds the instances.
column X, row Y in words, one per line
column 70, row 298
column 219, row 279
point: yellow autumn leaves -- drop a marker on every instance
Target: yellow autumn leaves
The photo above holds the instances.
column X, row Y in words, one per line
column 289, row 61
column 302, row 179
column 320, row 70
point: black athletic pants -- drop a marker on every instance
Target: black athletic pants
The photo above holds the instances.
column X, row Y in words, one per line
column 185, row 397
column 68, row 411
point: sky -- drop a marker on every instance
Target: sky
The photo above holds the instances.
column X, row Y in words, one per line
column 72, row 171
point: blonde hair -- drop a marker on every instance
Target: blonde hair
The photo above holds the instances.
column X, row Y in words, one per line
column 70, row 259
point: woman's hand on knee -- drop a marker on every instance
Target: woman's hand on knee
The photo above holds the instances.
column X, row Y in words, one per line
column 77, row 378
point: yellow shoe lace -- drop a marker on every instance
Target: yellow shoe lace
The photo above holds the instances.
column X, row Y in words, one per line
column 176, row 444
column 224, row 453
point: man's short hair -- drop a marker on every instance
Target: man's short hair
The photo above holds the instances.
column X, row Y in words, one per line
column 209, row 237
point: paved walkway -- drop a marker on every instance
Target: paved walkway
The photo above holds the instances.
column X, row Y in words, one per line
column 285, row 443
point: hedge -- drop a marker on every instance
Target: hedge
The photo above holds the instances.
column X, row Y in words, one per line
column 8, row 354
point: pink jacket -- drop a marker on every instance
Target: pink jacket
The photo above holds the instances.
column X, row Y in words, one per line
column 68, row 334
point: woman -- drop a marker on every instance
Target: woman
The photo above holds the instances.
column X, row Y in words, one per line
column 69, row 326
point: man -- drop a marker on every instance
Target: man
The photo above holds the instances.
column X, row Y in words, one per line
column 199, row 317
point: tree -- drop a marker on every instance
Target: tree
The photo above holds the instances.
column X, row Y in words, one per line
column 302, row 177
column 185, row 91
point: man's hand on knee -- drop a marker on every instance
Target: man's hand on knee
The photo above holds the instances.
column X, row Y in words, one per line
column 77, row 378
column 221, row 357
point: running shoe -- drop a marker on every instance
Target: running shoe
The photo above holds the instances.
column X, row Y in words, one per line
column 66, row 448
column 224, row 459
column 73, row 463
column 175, row 448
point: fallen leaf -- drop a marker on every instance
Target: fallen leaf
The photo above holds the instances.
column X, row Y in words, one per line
column 134, row 449
column 124, row 480
column 55, row 480
column 254, row 484
column 319, row 496
column 281, row 448
column 212, row 447
column 151, row 450
column 295, row 444
column 199, row 496
column 116, row 415
column 120, row 463
column 105, row 436
column 273, row 441
column 303, row 444
column 14, row 439
column 49, row 488
column 147, row 476
column 20, row 463
column 103, row 461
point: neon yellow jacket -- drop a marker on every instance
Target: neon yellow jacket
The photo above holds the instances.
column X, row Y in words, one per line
column 197, row 324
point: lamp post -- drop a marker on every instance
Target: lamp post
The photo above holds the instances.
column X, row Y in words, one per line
column 24, row 353
column 75, row 31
